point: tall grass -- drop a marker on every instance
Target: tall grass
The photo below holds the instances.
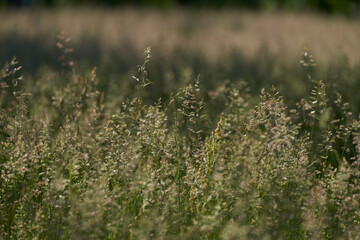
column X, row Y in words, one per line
column 78, row 166
column 261, row 49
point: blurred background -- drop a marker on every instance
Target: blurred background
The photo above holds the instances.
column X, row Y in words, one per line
column 225, row 41
column 331, row 6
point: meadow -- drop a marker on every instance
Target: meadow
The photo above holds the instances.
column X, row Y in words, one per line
column 232, row 125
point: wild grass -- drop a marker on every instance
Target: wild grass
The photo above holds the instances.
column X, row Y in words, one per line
column 207, row 32
column 224, row 46
column 78, row 164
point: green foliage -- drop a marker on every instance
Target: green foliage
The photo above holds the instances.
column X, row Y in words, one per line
column 332, row 6
column 82, row 170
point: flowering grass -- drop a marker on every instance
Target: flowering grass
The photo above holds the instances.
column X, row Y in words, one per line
column 74, row 164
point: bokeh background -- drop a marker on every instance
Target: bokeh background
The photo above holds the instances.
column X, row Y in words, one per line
column 259, row 42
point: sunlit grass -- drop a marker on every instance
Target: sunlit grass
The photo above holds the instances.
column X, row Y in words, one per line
column 91, row 168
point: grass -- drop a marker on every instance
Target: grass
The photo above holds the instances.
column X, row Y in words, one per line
column 85, row 154
column 208, row 32
column 223, row 46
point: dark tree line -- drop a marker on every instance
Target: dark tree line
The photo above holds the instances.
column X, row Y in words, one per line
column 332, row 6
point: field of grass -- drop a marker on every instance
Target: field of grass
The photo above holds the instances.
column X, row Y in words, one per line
column 263, row 49
column 226, row 128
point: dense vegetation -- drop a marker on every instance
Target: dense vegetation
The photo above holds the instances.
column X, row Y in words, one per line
column 77, row 162
column 343, row 6
column 223, row 46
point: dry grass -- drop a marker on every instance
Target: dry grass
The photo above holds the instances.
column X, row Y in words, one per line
column 91, row 169
column 95, row 154
column 211, row 32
